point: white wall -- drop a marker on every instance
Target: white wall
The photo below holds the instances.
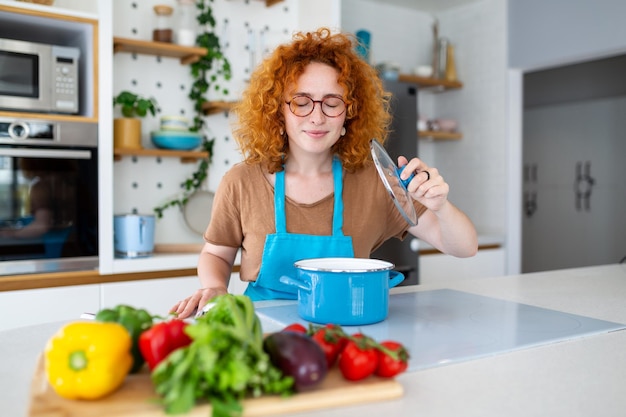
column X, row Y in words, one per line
column 546, row 33
column 474, row 166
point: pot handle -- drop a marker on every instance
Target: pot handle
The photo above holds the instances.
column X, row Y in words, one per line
column 395, row 278
column 295, row 282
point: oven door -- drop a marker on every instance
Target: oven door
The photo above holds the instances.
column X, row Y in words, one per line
column 25, row 76
column 48, row 209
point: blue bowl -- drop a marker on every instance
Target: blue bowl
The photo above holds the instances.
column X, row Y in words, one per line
column 178, row 140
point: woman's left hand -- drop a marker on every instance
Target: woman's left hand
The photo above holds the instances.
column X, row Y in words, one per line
column 427, row 187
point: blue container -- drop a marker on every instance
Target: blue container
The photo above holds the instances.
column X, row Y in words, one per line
column 343, row 291
column 177, row 140
column 133, row 235
column 363, row 47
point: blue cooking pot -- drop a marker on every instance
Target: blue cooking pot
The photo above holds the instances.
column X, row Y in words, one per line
column 343, row 291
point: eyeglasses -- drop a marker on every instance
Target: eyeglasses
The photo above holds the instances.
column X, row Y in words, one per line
column 332, row 106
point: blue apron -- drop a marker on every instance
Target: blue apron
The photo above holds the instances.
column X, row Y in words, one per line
column 283, row 249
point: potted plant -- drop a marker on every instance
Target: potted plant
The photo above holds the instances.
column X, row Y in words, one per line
column 127, row 129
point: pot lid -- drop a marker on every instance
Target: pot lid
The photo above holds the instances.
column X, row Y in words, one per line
column 389, row 173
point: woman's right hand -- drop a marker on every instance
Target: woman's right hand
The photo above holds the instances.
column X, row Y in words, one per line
column 195, row 303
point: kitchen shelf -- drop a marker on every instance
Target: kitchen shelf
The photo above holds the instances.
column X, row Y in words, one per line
column 214, row 107
column 48, row 116
column 185, row 156
column 437, row 135
column 430, row 82
column 187, row 54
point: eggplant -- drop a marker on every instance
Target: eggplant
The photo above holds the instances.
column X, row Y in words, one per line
column 298, row 356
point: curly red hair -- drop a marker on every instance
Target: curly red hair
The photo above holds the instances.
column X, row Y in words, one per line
column 261, row 125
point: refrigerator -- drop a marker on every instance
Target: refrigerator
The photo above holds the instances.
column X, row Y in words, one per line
column 402, row 141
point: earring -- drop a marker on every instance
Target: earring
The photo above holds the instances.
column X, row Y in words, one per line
column 282, row 132
column 343, row 131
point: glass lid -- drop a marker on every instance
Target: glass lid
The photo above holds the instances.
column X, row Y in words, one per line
column 390, row 175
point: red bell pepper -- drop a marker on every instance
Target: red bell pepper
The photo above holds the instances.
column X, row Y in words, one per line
column 162, row 339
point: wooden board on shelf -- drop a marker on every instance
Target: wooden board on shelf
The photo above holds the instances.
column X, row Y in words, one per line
column 214, row 107
column 438, row 135
column 133, row 399
column 187, row 54
column 185, row 156
column 48, row 117
column 430, row 82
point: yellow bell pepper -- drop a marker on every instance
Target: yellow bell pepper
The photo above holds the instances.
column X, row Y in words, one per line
column 88, row 360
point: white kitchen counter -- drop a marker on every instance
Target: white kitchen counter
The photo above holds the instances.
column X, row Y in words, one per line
column 579, row 377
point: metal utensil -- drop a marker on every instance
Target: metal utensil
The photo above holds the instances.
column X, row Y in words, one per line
column 197, row 211
column 390, row 175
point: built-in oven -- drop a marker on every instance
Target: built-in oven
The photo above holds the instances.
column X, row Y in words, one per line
column 48, row 196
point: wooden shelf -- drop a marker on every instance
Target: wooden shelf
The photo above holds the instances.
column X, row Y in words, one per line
column 430, row 82
column 214, row 107
column 185, row 156
column 436, row 135
column 186, row 54
column 48, row 116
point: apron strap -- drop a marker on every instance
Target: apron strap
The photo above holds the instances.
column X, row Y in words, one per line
column 338, row 209
column 280, row 217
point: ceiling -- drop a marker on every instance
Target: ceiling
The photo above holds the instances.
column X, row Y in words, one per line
column 431, row 6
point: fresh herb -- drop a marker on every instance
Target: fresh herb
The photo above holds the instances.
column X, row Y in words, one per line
column 224, row 363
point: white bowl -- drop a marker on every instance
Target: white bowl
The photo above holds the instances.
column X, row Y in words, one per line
column 423, row 71
column 174, row 123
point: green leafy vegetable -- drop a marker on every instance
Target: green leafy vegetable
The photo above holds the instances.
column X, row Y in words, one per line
column 224, row 363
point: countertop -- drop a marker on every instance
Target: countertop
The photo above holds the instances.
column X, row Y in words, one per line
column 579, row 377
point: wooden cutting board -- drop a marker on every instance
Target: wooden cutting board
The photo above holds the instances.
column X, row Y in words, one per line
column 134, row 398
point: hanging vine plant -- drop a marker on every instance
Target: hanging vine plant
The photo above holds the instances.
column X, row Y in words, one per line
column 206, row 73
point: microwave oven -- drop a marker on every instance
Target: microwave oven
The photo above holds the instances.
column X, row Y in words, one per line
column 36, row 77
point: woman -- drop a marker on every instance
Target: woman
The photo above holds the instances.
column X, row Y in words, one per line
column 307, row 187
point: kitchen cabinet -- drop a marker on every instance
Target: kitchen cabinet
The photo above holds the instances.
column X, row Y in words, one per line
column 30, row 307
column 439, row 268
column 49, row 26
column 155, row 295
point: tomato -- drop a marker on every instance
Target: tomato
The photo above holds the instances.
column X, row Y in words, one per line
column 388, row 366
column 295, row 327
column 359, row 359
column 331, row 339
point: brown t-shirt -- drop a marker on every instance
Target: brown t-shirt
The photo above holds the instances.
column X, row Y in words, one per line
column 243, row 214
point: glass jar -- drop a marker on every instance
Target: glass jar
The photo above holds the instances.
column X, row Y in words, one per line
column 186, row 32
column 163, row 28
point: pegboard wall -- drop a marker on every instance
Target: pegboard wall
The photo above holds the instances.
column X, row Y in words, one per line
column 248, row 30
